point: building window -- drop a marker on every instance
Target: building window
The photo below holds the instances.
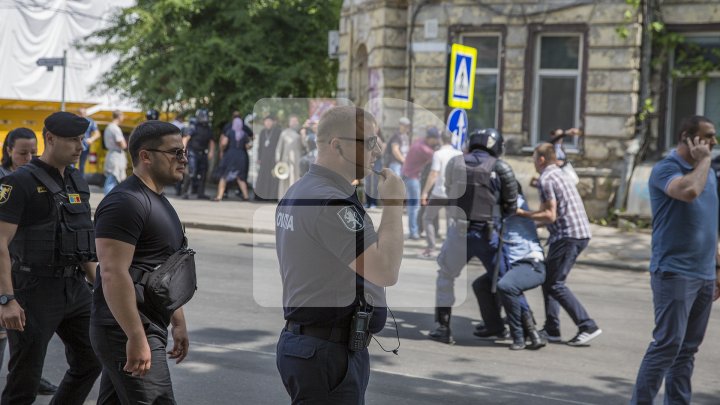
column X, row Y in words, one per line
column 691, row 94
column 557, row 85
column 485, row 111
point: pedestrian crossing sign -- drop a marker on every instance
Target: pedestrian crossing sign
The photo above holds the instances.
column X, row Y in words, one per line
column 461, row 76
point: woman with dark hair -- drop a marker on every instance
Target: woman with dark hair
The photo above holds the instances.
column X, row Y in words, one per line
column 18, row 149
column 235, row 141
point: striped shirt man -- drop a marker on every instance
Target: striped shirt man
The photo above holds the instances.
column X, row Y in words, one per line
column 572, row 220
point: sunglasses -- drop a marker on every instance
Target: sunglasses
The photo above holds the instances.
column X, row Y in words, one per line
column 370, row 142
column 179, row 154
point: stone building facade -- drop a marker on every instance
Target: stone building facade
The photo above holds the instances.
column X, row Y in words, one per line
column 542, row 64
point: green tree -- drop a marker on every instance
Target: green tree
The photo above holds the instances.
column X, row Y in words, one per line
column 225, row 55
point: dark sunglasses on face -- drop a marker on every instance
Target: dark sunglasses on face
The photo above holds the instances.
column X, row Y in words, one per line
column 370, row 142
column 179, row 154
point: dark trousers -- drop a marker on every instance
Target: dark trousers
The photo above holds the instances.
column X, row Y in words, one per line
column 119, row 387
column 315, row 371
column 522, row 276
column 682, row 309
column 560, row 260
column 197, row 171
column 52, row 305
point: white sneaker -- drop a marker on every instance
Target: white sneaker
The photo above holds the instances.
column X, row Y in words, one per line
column 584, row 337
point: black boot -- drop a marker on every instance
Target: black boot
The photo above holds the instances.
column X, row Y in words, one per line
column 536, row 340
column 442, row 333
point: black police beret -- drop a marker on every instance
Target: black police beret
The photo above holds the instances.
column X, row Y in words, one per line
column 66, row 125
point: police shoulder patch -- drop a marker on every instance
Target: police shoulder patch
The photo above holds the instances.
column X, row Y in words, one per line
column 5, row 191
column 351, row 218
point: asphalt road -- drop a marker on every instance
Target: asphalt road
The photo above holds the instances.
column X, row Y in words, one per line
column 232, row 358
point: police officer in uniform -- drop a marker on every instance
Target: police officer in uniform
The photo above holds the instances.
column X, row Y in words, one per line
column 483, row 190
column 47, row 251
column 152, row 115
column 334, row 264
column 199, row 145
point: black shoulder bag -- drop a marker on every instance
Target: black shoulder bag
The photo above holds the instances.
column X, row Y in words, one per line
column 169, row 285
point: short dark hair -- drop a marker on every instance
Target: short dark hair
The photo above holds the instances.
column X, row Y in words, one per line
column 149, row 135
column 343, row 121
column 9, row 143
column 691, row 125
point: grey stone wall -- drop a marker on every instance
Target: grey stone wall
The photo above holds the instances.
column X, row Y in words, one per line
column 611, row 87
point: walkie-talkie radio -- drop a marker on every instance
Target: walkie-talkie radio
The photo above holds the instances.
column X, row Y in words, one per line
column 360, row 329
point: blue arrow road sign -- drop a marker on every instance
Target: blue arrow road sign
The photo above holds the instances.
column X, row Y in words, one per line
column 457, row 125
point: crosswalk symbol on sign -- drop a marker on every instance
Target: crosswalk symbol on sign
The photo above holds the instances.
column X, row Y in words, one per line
column 462, row 81
column 461, row 76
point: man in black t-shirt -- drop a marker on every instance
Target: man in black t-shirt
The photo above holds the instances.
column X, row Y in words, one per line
column 46, row 252
column 136, row 227
column 333, row 263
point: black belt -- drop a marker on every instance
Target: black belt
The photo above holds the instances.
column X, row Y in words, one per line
column 337, row 334
column 49, row 271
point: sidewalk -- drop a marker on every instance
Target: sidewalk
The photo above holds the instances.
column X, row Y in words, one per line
column 609, row 247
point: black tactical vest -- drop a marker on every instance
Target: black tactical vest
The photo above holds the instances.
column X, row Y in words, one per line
column 474, row 184
column 66, row 237
column 200, row 137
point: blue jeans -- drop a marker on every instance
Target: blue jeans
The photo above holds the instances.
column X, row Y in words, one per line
column 413, row 205
column 560, row 260
column 83, row 159
column 522, row 276
column 110, row 183
column 396, row 167
column 316, row 371
column 682, row 309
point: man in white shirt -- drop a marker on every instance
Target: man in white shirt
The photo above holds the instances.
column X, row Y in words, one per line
column 115, row 161
column 438, row 196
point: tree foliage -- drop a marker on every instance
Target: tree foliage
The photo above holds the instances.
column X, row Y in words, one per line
column 177, row 55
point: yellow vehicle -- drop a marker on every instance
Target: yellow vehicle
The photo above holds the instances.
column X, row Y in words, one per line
column 32, row 114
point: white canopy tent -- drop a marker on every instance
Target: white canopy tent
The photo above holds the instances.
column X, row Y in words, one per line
column 34, row 29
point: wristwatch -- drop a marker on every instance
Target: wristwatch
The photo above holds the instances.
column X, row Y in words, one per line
column 4, row 299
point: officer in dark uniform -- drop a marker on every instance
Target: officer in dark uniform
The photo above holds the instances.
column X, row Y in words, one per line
column 47, row 251
column 334, row 264
column 482, row 190
column 152, row 115
column 200, row 145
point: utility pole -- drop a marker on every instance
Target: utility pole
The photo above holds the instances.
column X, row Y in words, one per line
column 49, row 63
column 64, row 67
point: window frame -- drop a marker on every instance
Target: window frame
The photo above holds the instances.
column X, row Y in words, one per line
column 531, row 85
column 669, row 122
column 490, row 71
column 455, row 33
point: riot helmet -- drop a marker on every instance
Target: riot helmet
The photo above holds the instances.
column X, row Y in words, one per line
column 489, row 140
column 152, row 114
column 202, row 115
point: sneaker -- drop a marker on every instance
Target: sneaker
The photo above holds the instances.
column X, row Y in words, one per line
column 486, row 334
column 46, row 387
column 584, row 337
column 442, row 334
column 550, row 337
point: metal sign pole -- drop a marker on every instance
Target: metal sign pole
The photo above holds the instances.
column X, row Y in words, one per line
column 64, row 65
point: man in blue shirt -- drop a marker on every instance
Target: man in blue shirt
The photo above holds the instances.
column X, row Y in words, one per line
column 684, row 262
column 91, row 135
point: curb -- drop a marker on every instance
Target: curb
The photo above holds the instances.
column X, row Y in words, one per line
column 607, row 264
column 614, row 265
